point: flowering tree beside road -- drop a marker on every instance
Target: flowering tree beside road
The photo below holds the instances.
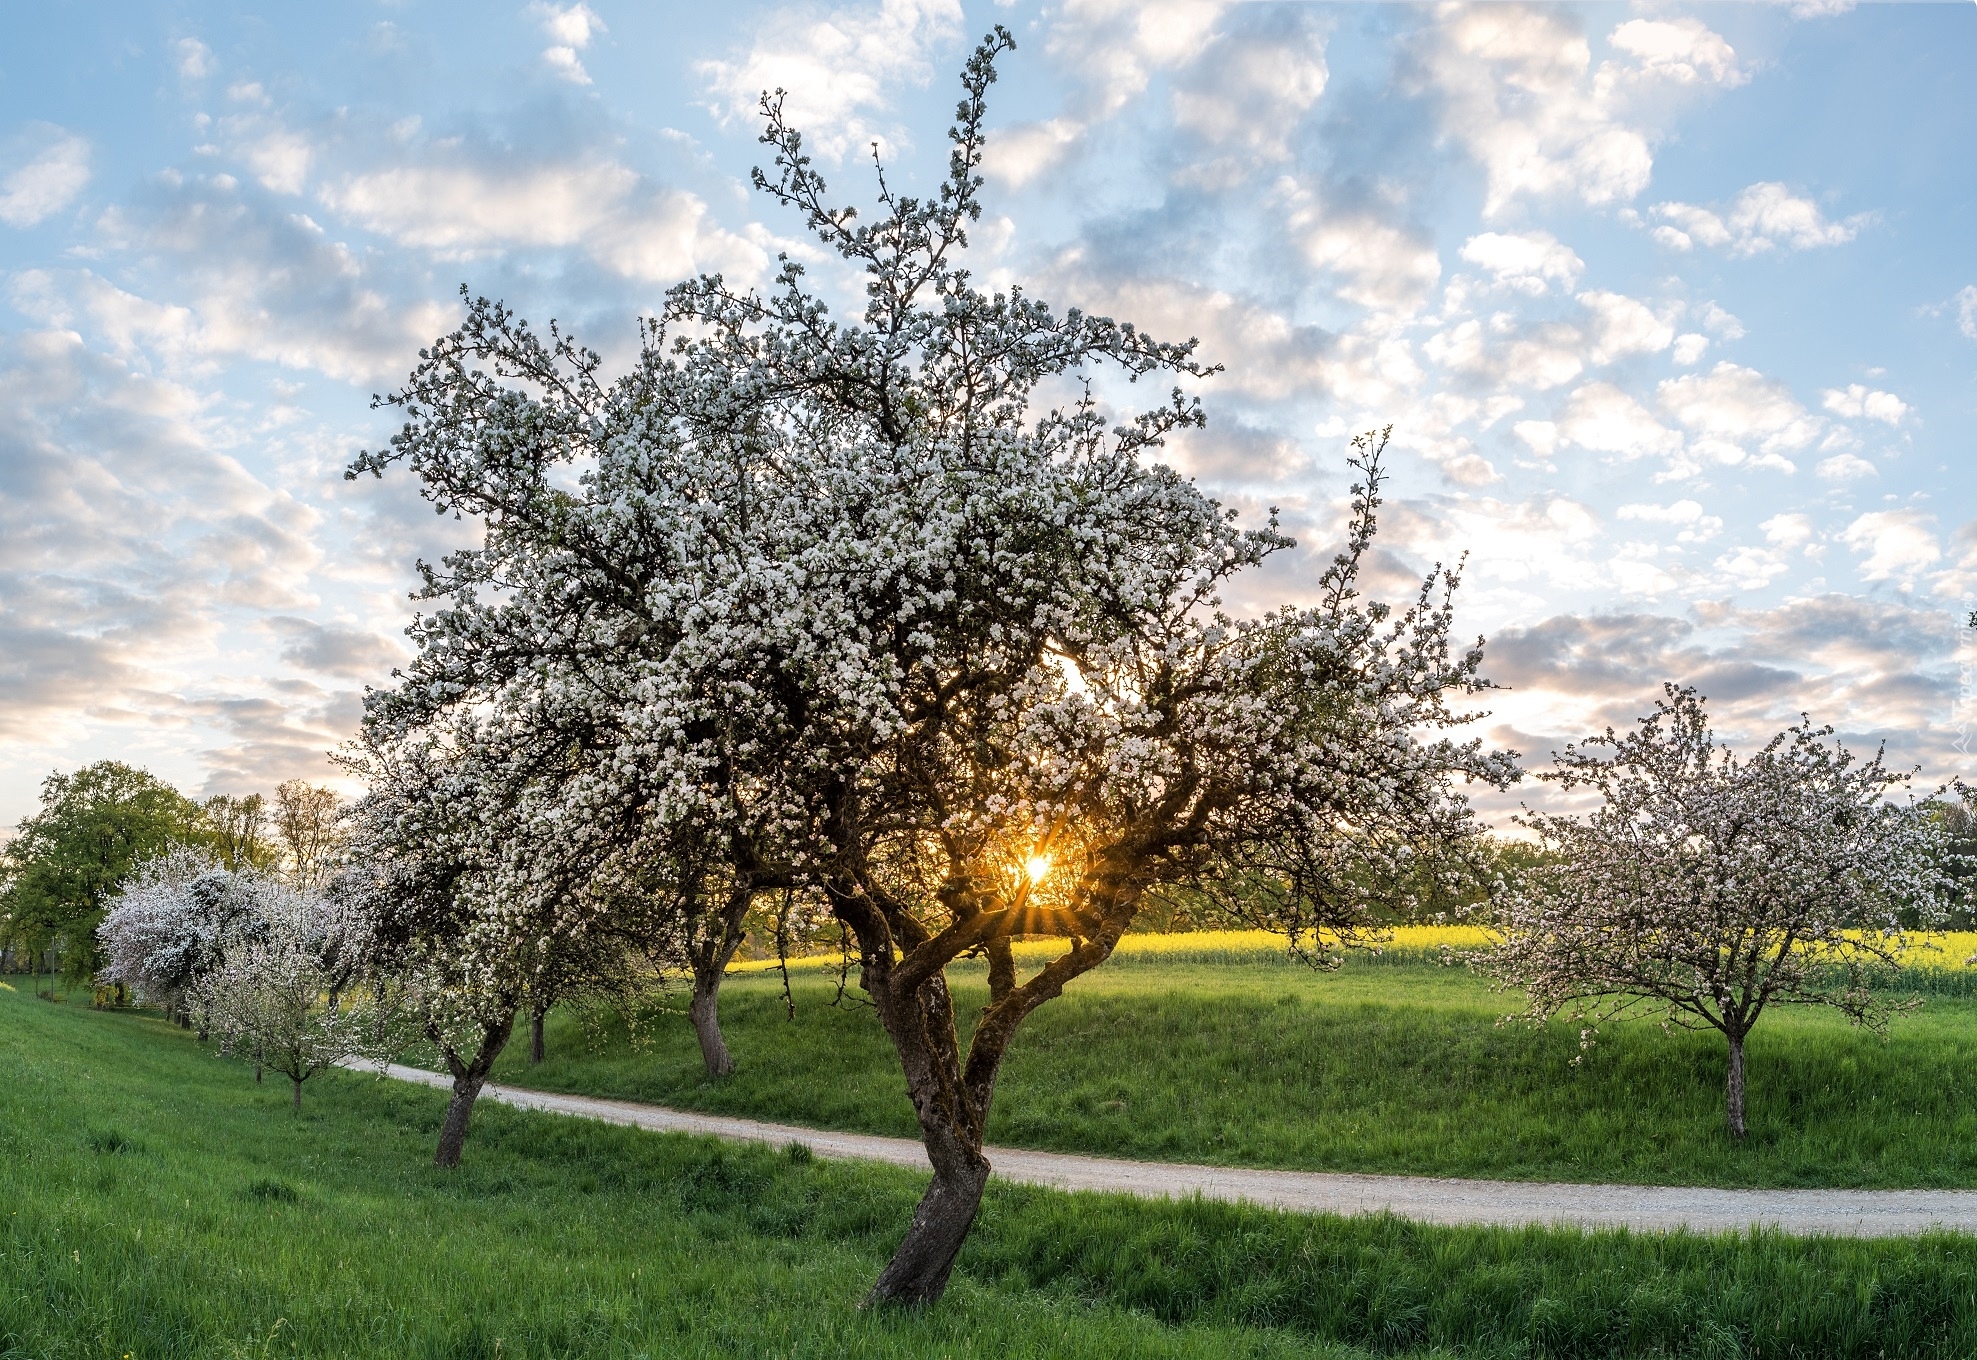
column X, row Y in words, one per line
column 836, row 604
column 268, row 994
column 1707, row 887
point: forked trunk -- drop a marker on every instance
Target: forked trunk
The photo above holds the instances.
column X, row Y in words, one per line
column 1733, row 1086
column 917, row 1274
column 468, row 1078
column 704, row 1012
column 536, row 1050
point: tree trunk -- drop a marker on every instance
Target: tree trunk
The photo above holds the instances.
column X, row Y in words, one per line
column 704, row 1011
column 468, row 1078
column 920, row 1023
column 536, row 1051
column 1733, row 1086
column 917, row 1274
column 710, row 958
column 297, row 1109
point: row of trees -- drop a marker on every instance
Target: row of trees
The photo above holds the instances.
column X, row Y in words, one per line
column 97, row 824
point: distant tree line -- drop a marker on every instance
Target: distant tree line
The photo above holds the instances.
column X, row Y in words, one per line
column 97, row 825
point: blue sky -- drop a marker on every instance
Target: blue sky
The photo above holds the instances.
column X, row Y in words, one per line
column 1673, row 309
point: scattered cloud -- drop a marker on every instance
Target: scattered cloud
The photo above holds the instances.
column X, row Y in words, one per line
column 1856, row 400
column 194, row 59
column 1519, row 91
column 1893, row 544
column 1765, row 216
column 49, row 167
column 569, row 29
column 1732, row 410
column 1844, row 467
column 1529, row 263
column 838, row 69
column 1604, row 419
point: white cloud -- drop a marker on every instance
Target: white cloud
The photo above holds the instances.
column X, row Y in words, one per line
column 461, row 206
column 1520, row 93
column 1720, row 323
column 1378, row 265
column 1604, row 419
column 1528, row 263
column 1857, row 400
column 50, row 167
column 1539, row 359
column 1683, row 51
column 464, row 207
column 1540, row 435
column 195, row 59
column 1788, row 530
column 1895, row 544
column 1016, row 155
column 1731, row 408
column 1247, row 91
column 1765, row 216
column 569, row 29
column 1689, row 349
column 279, row 159
column 837, row 68
column 1966, row 311
column 1751, row 568
column 1844, row 467
column 1622, row 325
column 1266, row 355
column 1117, row 45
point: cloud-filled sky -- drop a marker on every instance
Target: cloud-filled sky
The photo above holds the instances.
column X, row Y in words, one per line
column 1673, row 309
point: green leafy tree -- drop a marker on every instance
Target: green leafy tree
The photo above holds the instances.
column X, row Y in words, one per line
column 237, row 828
column 64, row 863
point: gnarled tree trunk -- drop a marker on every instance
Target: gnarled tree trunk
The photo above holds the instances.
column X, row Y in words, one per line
column 468, row 1078
column 951, row 1095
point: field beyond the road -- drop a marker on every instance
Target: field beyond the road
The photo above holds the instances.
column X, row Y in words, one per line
column 1225, row 1052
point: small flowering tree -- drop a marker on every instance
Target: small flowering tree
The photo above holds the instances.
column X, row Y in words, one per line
column 1706, row 888
column 270, row 995
column 173, row 921
column 836, row 603
column 481, row 899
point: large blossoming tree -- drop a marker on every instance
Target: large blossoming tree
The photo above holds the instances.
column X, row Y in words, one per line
column 834, row 603
column 1706, row 888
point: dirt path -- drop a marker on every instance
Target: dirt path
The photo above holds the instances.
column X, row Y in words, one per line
column 1856, row 1213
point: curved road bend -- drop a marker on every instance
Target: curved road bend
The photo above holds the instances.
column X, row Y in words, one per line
column 1428, row 1199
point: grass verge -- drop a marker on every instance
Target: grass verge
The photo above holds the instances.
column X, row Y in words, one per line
column 158, row 1204
column 1389, row 1065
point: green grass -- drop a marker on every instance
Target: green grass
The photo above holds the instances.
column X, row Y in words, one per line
column 1385, row 1066
column 159, row 1204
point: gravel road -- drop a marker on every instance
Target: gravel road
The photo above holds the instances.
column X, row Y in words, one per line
column 1652, row 1208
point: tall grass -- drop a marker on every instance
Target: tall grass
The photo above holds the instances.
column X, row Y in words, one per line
column 158, row 1204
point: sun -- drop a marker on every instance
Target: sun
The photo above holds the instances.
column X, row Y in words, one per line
column 1035, row 867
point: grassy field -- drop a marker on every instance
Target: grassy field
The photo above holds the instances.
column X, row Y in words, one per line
column 1394, row 1064
column 159, row 1204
